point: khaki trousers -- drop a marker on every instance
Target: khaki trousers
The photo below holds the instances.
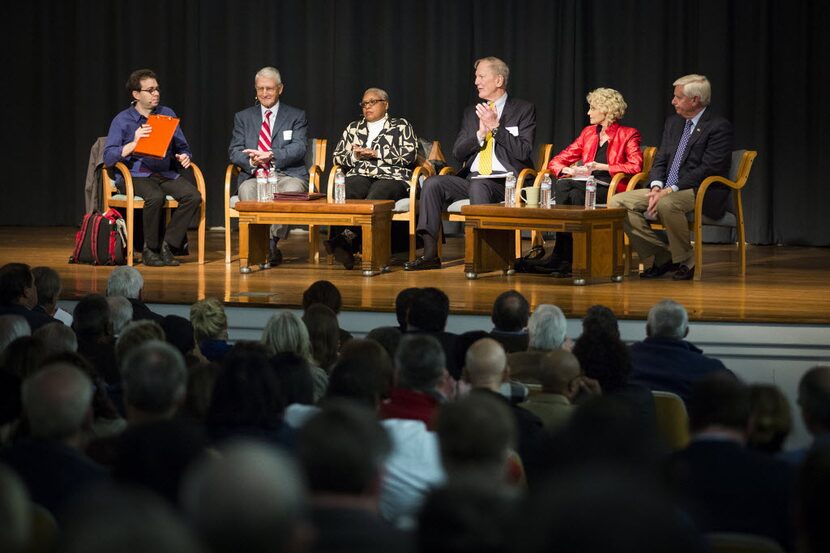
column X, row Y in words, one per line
column 671, row 212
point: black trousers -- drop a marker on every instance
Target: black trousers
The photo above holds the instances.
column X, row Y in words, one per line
column 359, row 187
column 153, row 189
column 571, row 192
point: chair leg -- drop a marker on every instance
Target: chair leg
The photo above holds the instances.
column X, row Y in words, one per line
column 130, row 236
column 227, row 237
column 313, row 245
column 201, row 235
column 698, row 252
column 518, row 253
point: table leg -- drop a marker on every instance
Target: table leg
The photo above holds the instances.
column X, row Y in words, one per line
column 487, row 250
column 253, row 245
column 377, row 245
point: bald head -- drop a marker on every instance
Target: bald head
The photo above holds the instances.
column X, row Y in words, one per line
column 557, row 370
column 486, row 364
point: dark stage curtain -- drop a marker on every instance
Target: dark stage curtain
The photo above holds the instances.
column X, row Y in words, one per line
column 67, row 61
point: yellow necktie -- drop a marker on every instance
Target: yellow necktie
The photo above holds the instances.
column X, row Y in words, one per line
column 485, row 162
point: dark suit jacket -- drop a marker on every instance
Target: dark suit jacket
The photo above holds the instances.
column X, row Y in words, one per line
column 289, row 154
column 514, row 152
column 347, row 529
column 708, row 153
column 36, row 319
column 142, row 312
column 727, row 488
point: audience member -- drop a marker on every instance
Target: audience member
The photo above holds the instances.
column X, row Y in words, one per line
column 511, row 312
column 293, row 379
column 323, row 291
column 388, row 337
column 724, row 486
column 427, row 314
column 513, row 390
column 24, row 356
column 486, row 370
column 286, row 332
column 15, row 513
column 477, row 437
column 814, row 401
column 323, row 333
column 125, row 520
column 12, row 327
column 48, row 284
column 250, row 498
column 200, row 381
column 546, row 331
column 210, row 328
column 121, row 313
column 127, row 281
column 57, row 404
column 342, row 450
column 134, row 335
column 559, row 375
column 18, row 295
column 665, row 361
column 179, row 332
column 811, row 501
column 769, row 418
column 91, row 323
column 470, row 517
column 56, row 339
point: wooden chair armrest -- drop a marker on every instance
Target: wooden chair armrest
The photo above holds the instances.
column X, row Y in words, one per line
column 447, row 171
column 523, row 174
column 635, row 180
column 128, row 179
column 330, row 187
column 415, row 182
column 314, row 175
column 200, row 180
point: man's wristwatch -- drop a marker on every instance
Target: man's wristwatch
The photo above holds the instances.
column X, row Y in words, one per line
column 493, row 131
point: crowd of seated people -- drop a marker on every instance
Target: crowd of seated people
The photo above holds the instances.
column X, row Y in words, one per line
column 420, row 440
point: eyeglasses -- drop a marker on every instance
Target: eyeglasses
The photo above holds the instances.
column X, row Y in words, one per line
column 266, row 89
column 151, row 90
column 369, row 103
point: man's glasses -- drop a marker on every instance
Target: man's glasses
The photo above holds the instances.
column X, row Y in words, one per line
column 369, row 103
column 151, row 90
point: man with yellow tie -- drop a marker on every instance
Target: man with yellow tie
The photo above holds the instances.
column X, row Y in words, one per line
column 496, row 138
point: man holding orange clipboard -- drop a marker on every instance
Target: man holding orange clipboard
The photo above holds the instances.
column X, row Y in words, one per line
column 155, row 172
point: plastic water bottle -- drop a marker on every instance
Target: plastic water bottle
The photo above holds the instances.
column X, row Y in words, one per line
column 261, row 185
column 590, row 193
column 272, row 183
column 339, row 187
column 545, row 195
column 510, row 190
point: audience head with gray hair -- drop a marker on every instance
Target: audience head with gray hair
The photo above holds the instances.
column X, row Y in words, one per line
column 57, row 338
column 121, row 313
column 668, row 319
column 249, row 498
column 12, row 327
column 547, row 328
column 286, row 332
column 420, row 363
column 134, row 335
column 57, row 402
column 125, row 281
column 155, row 379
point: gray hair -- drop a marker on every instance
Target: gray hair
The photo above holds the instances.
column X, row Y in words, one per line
column 498, row 66
column 419, row 362
column 121, row 313
column 56, row 400
column 268, row 73
column 12, row 327
column 546, row 328
column 668, row 319
column 251, row 497
column 286, row 332
column 696, row 85
column 379, row 91
column 125, row 281
column 154, row 376
column 57, row 338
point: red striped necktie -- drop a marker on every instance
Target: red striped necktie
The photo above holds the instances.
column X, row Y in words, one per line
column 265, row 133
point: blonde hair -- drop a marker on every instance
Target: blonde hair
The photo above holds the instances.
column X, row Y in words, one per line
column 608, row 100
column 208, row 319
column 695, row 85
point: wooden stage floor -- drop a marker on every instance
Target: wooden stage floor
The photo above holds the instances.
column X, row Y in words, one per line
column 783, row 284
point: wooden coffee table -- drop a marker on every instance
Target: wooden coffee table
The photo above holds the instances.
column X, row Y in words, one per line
column 373, row 216
column 597, row 238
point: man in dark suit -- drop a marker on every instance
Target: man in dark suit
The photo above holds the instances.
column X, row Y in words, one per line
column 696, row 144
column 496, row 138
column 18, row 295
column 270, row 134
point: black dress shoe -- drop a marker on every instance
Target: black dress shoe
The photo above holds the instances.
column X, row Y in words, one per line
column 656, row 271
column 274, row 257
column 535, row 253
column 421, row 264
column 341, row 249
column 167, row 256
column 554, row 264
column 684, row 272
column 151, row 258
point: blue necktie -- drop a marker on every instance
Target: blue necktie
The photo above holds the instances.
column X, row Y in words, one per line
column 675, row 165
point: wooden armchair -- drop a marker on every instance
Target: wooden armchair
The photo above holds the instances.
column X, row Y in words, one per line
column 317, row 165
column 128, row 203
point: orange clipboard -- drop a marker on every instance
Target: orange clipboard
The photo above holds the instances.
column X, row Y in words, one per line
column 157, row 143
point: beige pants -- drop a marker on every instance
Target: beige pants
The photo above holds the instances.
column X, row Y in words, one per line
column 671, row 212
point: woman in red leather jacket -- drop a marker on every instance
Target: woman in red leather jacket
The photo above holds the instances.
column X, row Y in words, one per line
column 605, row 148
